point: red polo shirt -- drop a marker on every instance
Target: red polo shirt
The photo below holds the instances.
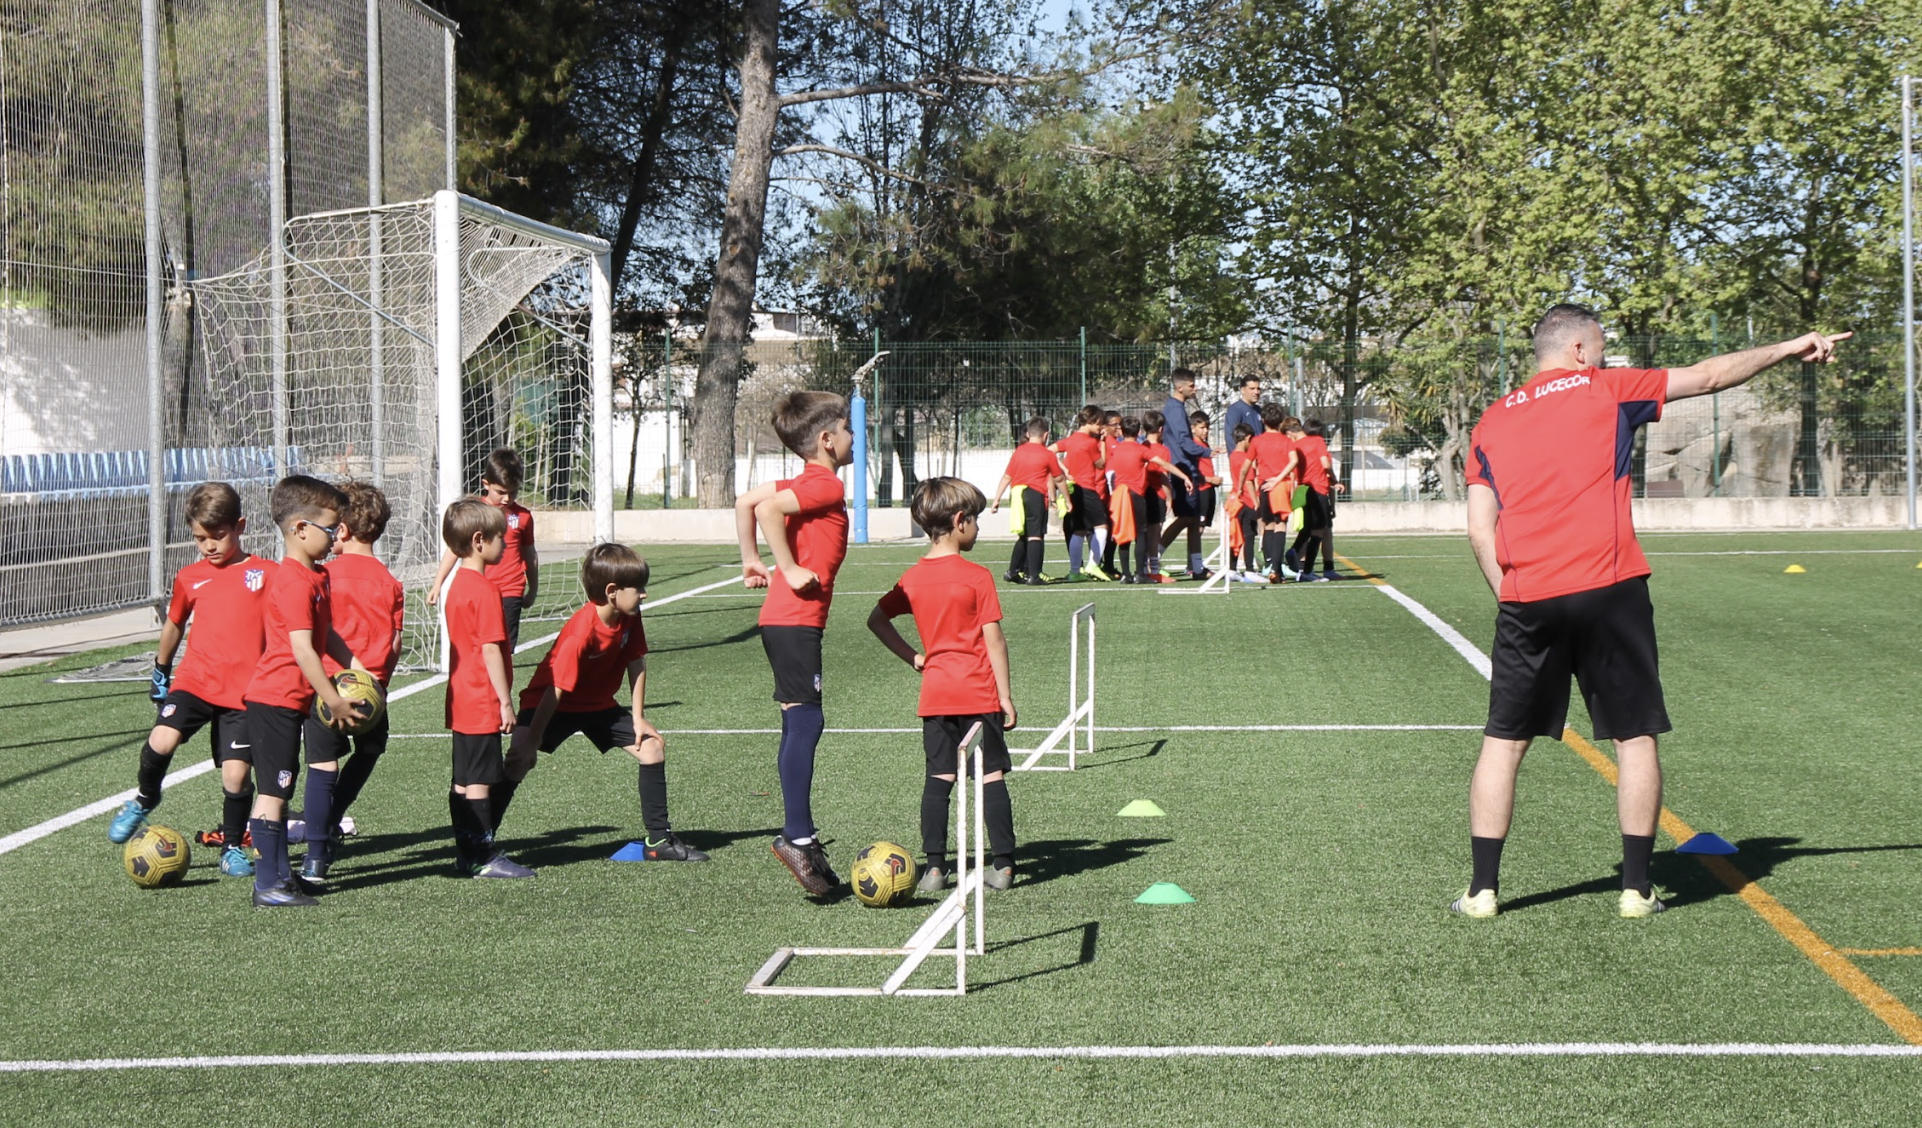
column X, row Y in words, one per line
column 818, row 537
column 951, row 600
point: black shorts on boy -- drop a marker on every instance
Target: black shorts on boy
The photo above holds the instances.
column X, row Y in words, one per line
column 227, row 728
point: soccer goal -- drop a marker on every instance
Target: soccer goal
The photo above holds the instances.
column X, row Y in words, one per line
column 399, row 345
column 950, row 918
column 1075, row 734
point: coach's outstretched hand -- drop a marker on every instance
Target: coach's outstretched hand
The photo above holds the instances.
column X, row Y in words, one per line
column 1817, row 348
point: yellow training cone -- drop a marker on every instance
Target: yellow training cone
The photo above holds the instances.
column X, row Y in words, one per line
column 1794, row 570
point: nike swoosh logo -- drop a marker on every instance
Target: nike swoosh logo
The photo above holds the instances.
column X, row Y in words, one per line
column 202, row 584
column 237, row 747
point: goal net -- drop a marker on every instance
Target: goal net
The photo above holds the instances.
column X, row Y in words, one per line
column 399, row 345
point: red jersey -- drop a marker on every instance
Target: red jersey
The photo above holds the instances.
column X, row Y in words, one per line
column 1206, row 465
column 368, row 604
column 587, row 662
column 818, row 536
column 474, row 619
column 951, row 600
column 1078, row 452
column 1270, row 451
column 1130, row 465
column 227, row 605
column 298, row 599
column 1237, row 461
column 1314, row 472
column 1032, row 466
column 1109, row 444
column 509, row 575
column 1556, row 452
column 1157, row 477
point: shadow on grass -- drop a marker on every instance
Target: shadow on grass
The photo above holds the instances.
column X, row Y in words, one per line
column 430, row 853
column 740, row 636
column 1755, row 859
column 1153, row 747
column 1050, row 858
column 1090, row 933
column 113, row 745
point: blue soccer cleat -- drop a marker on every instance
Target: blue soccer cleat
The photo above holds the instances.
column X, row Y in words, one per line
column 234, row 862
column 131, row 818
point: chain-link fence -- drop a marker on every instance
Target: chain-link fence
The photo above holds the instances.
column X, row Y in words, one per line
column 1398, row 419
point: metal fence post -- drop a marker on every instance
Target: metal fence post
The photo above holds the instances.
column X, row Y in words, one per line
column 1084, row 368
column 1908, row 283
column 277, row 239
column 858, row 418
column 1715, row 411
column 667, row 418
column 156, row 312
column 376, row 174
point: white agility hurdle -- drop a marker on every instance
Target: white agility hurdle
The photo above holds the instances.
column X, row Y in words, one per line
column 951, row 916
column 1221, row 561
column 1077, row 727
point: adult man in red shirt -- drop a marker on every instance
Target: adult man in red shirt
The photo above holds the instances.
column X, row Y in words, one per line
column 1549, row 521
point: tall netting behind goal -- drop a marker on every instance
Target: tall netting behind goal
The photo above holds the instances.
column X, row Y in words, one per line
column 399, row 345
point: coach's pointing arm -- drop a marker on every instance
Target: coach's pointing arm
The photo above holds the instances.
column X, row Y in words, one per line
column 1719, row 373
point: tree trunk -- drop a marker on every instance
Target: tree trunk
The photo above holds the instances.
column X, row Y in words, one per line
column 640, row 184
column 730, row 311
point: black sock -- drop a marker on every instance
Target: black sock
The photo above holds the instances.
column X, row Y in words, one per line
column 153, row 769
column 1271, row 549
column 499, row 796
column 653, row 785
column 1018, row 556
column 1036, row 546
column 235, row 806
column 466, row 836
column 480, row 822
column 320, row 814
column 935, row 793
column 1107, row 553
column 1637, row 849
column 353, row 776
column 1127, row 554
column 1488, row 864
column 270, row 838
column 998, row 813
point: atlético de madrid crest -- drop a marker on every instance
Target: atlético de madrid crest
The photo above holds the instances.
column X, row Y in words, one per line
column 256, row 578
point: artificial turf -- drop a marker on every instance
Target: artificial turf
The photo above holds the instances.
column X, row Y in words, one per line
column 1319, row 861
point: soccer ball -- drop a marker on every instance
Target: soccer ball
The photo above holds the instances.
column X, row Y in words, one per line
column 156, row 856
column 357, row 687
column 883, row 875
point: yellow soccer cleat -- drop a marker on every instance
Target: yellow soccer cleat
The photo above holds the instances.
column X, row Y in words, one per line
column 1635, row 906
column 1480, row 906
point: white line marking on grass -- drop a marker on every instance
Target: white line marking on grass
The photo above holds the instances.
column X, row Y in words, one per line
column 976, row 1053
column 1100, row 728
column 1448, row 634
column 38, row 831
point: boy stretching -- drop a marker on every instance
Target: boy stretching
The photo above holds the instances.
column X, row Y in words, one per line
column 224, row 594
column 1034, row 473
column 299, row 625
column 573, row 691
column 805, row 521
column 963, row 665
column 479, row 674
column 517, row 574
column 368, row 606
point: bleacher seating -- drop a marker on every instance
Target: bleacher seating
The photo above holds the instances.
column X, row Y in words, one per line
column 123, row 473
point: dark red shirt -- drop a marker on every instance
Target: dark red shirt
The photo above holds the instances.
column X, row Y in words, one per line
column 1078, row 452
column 951, row 599
column 818, row 537
column 298, row 599
column 228, row 605
column 1237, row 460
column 1032, row 466
column 474, row 619
column 1130, row 465
column 587, row 662
column 1314, row 472
column 368, row 605
column 1157, row 477
column 1206, row 465
column 1270, row 452
column 509, row 575
column 1556, row 451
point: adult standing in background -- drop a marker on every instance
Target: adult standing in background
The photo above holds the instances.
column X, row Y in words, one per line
column 1244, row 409
column 1186, row 454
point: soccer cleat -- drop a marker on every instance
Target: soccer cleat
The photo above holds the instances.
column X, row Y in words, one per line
column 313, row 871
column 218, row 838
column 1635, row 905
column 234, row 862
column 1011, row 576
column 1204, row 575
column 1096, row 572
column 1039, row 581
column 799, row 859
column 670, row 849
column 131, row 818
column 1330, row 574
column 500, row 865
column 1128, row 578
column 933, row 880
column 1479, row 906
column 302, row 885
column 1163, row 578
column 998, row 878
column 1289, row 558
column 282, row 896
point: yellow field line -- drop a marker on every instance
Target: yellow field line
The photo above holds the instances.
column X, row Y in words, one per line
column 1880, row 951
column 1834, row 962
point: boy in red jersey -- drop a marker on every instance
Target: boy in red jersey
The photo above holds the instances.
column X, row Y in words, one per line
column 1153, row 423
column 573, row 691
column 1242, row 508
column 480, row 709
column 224, row 595
column 517, row 574
column 298, row 627
column 368, row 607
column 1034, row 474
column 1199, row 428
column 1084, row 461
column 1110, row 439
column 963, row 665
column 1273, row 471
column 1135, row 529
column 805, row 521
column 1318, row 526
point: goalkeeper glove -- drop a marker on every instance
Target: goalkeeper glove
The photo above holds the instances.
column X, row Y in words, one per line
column 163, row 678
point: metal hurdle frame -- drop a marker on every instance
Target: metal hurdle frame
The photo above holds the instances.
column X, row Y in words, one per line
column 1222, row 559
column 951, row 916
column 1078, row 725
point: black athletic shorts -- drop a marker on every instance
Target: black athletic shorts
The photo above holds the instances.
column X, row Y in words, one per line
column 941, row 738
column 794, row 654
column 1186, row 502
column 1034, row 513
column 477, row 758
column 275, row 731
column 186, row 714
column 1318, row 511
column 1157, row 512
column 1604, row 637
column 327, row 745
column 1205, row 507
column 605, row 728
column 1265, row 509
column 1089, row 511
column 511, row 607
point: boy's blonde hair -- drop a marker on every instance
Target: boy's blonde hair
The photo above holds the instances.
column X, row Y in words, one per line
column 940, row 502
column 213, row 505
column 466, row 517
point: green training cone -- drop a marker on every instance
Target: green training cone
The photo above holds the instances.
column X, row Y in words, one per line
column 1164, row 893
column 1141, row 809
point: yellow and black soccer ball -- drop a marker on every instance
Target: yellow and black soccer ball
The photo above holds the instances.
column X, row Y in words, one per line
column 883, row 875
column 156, row 856
column 359, row 688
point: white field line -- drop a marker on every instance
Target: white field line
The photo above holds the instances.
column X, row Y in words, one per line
column 1720, row 552
column 976, row 1053
column 1099, row 728
column 1448, row 634
column 38, row 831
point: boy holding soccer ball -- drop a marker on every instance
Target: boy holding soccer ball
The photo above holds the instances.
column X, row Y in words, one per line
column 573, row 691
column 963, row 663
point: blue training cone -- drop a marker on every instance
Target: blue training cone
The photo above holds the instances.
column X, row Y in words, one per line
column 632, row 852
column 1706, row 843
